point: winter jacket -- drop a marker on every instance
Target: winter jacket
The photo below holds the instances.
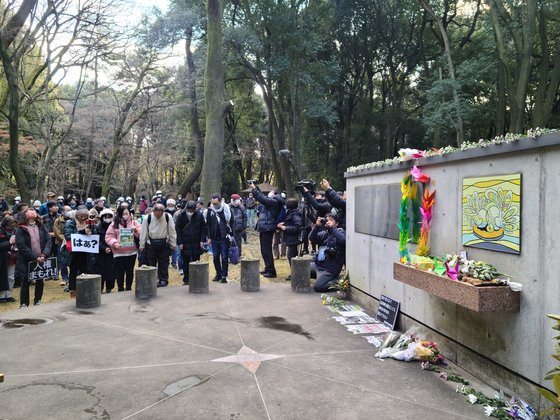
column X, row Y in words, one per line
column 58, row 230
column 294, row 226
column 113, row 236
column 25, row 253
column 218, row 225
column 240, row 217
column 321, row 208
column 48, row 221
column 143, row 207
column 339, row 204
column 250, row 202
column 101, row 229
column 3, row 207
column 334, row 239
column 270, row 207
column 5, row 247
column 190, row 233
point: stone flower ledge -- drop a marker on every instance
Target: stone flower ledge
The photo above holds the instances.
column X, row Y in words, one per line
column 478, row 299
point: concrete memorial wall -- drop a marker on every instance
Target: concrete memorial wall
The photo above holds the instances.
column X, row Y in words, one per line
column 510, row 350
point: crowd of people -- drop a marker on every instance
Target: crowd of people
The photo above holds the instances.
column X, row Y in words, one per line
column 164, row 231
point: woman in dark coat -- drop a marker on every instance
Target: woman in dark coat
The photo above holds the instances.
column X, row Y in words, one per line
column 79, row 264
column 191, row 235
column 105, row 260
column 34, row 244
column 292, row 228
column 7, row 258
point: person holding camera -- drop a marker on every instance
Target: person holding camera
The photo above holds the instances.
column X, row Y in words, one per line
column 337, row 200
column 331, row 240
column 291, row 228
column 269, row 210
column 315, row 206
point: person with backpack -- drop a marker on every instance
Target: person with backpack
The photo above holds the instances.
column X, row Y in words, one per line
column 240, row 216
column 220, row 230
column 269, row 211
column 292, row 228
column 191, row 236
column 159, row 239
column 122, row 236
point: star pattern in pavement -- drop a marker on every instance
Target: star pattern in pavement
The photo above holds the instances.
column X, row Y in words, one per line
column 248, row 358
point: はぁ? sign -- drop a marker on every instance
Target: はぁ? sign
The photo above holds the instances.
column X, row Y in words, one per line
column 85, row 243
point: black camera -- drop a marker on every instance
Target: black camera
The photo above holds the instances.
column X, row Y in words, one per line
column 252, row 181
column 305, row 183
column 323, row 220
column 331, row 252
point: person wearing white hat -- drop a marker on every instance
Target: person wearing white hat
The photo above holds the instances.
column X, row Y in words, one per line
column 105, row 260
column 37, row 205
column 17, row 201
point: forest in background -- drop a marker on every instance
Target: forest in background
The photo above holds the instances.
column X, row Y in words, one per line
column 92, row 105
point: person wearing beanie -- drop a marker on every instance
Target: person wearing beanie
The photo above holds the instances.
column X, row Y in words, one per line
column 79, row 264
column 240, row 216
column 105, row 260
column 291, row 229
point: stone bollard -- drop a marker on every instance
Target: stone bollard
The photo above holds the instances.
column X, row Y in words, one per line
column 88, row 291
column 250, row 276
column 145, row 282
column 301, row 274
column 198, row 277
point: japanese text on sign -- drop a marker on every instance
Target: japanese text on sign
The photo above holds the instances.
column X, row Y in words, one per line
column 85, row 243
column 387, row 311
column 47, row 270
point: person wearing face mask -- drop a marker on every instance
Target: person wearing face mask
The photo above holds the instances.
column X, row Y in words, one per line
column 266, row 226
column 124, row 252
column 64, row 257
column 48, row 221
column 105, row 260
column 37, row 206
column 291, row 228
column 191, row 235
column 17, row 202
column 79, row 263
column 8, row 258
column 60, row 202
column 240, row 217
column 34, row 244
column 130, row 203
column 250, row 204
column 220, row 228
column 172, row 210
column 316, row 207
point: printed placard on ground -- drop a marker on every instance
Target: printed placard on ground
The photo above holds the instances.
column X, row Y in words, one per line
column 85, row 243
column 47, row 270
column 387, row 311
column 127, row 238
column 367, row 328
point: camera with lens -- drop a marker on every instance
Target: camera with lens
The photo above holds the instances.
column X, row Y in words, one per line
column 253, row 181
column 331, row 252
column 305, row 183
column 90, row 220
column 323, row 221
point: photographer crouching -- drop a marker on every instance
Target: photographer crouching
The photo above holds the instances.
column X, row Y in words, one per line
column 266, row 225
column 315, row 207
column 331, row 241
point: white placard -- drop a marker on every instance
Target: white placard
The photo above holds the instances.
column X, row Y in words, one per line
column 85, row 243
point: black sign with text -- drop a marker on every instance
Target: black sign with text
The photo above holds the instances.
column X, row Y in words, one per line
column 47, row 270
column 387, row 311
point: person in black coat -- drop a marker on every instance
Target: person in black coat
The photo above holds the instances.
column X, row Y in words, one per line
column 337, row 200
column 191, row 235
column 292, row 227
column 7, row 258
column 105, row 259
column 34, row 244
column 266, row 226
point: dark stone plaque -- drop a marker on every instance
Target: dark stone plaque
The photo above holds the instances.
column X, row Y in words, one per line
column 377, row 210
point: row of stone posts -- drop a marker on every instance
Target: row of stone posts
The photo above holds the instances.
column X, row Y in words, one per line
column 88, row 286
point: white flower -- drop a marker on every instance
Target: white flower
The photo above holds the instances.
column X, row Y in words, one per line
column 472, row 398
column 488, row 410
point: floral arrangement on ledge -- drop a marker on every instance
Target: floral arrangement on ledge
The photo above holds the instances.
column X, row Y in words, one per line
column 467, row 145
column 458, row 268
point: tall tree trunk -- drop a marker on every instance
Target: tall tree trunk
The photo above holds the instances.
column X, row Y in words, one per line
column 451, row 68
column 216, row 107
column 136, row 154
column 193, row 176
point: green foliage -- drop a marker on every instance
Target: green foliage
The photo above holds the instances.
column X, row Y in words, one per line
column 553, row 375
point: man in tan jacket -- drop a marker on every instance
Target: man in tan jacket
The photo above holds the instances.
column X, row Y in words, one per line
column 159, row 239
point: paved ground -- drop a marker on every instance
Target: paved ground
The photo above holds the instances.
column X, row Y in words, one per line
column 225, row 355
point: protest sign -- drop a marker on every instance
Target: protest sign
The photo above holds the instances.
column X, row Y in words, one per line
column 85, row 243
column 387, row 311
column 127, row 238
column 47, row 270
